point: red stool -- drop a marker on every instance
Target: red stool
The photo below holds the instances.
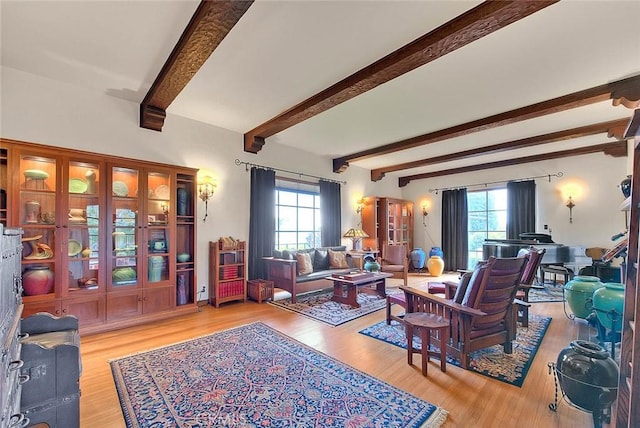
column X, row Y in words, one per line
column 424, row 323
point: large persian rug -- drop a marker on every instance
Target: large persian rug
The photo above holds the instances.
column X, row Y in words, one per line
column 255, row 376
column 492, row 361
column 320, row 307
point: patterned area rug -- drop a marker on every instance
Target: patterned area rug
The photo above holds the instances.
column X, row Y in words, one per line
column 549, row 294
column 320, row 307
column 492, row 361
column 255, row 376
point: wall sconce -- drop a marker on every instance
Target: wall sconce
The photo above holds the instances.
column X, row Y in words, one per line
column 425, row 213
column 360, row 206
column 570, row 205
column 206, row 187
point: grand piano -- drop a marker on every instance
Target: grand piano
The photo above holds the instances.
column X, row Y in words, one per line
column 571, row 257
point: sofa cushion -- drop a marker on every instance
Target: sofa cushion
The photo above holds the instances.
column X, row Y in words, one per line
column 338, row 259
column 289, row 254
column 305, row 265
column 321, row 259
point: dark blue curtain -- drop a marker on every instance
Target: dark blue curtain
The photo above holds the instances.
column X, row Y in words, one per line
column 262, row 220
column 455, row 229
column 330, row 213
column 521, row 208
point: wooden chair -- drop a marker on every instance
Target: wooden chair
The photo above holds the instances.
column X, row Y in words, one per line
column 395, row 261
column 527, row 282
column 481, row 314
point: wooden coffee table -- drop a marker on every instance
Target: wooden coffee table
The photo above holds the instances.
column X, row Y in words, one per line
column 363, row 281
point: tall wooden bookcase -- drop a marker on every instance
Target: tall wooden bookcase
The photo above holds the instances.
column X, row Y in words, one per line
column 227, row 272
column 627, row 410
column 106, row 228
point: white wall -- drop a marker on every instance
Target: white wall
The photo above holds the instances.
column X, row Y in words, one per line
column 43, row 111
column 596, row 216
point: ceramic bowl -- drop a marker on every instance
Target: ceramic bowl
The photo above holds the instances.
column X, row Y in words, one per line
column 184, row 257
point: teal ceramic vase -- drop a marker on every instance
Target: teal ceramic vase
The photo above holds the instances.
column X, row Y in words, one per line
column 371, row 265
column 579, row 294
column 608, row 303
column 418, row 257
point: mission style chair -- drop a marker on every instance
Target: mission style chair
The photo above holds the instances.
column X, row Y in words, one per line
column 394, row 260
column 481, row 313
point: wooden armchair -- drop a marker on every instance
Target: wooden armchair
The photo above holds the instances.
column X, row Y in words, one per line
column 394, row 260
column 527, row 282
column 481, row 313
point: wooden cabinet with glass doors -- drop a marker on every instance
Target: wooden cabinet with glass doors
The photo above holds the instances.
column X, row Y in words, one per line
column 101, row 237
column 387, row 221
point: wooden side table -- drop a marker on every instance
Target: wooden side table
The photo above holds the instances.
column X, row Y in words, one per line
column 424, row 323
column 260, row 289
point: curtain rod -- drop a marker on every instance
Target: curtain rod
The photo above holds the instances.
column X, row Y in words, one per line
column 300, row 174
column 559, row 174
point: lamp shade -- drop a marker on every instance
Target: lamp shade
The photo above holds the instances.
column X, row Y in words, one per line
column 355, row 233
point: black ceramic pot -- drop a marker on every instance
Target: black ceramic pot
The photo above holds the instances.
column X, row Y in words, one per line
column 588, row 377
column 625, row 186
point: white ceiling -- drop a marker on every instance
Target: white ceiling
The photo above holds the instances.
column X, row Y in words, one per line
column 282, row 52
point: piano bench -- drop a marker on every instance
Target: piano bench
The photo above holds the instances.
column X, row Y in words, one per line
column 556, row 270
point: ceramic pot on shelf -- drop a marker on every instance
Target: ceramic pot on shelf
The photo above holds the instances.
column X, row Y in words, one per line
column 579, row 294
column 37, row 280
column 418, row 257
column 371, row 265
column 435, row 264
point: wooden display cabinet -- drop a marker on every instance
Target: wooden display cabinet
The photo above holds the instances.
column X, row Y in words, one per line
column 387, row 221
column 108, row 230
column 227, row 273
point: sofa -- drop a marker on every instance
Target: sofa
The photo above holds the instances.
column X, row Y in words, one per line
column 303, row 271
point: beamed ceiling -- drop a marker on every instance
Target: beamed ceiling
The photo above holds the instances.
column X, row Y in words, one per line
column 406, row 89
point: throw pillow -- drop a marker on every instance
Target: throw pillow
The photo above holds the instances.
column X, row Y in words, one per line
column 304, row 263
column 338, row 259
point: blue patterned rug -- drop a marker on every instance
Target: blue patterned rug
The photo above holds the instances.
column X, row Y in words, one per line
column 320, row 307
column 255, row 376
column 492, row 361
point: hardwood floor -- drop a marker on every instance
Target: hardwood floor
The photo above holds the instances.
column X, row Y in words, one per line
column 472, row 400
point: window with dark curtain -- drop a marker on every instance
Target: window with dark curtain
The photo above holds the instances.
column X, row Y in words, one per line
column 454, row 229
column 261, row 220
column 521, row 208
column 330, row 213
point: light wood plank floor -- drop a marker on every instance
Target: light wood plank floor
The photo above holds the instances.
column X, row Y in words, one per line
column 472, row 400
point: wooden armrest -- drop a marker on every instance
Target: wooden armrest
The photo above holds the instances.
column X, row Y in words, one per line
column 447, row 303
column 274, row 260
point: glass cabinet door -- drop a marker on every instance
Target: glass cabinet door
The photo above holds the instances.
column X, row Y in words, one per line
column 38, row 218
column 83, row 218
column 157, row 210
column 125, row 237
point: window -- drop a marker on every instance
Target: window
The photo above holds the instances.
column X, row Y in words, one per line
column 487, row 219
column 297, row 219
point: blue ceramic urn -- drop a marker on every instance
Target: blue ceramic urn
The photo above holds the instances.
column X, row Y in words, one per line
column 436, row 251
column 418, row 257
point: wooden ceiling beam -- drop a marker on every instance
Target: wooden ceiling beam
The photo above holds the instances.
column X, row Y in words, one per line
column 626, row 89
column 472, row 25
column 615, row 149
column 611, row 128
column 208, row 26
